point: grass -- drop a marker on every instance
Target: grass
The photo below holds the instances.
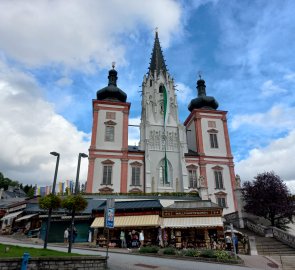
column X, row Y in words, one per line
column 9, row 251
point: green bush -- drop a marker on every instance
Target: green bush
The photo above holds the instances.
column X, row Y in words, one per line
column 169, row 251
column 222, row 255
column 191, row 252
column 208, row 253
column 150, row 249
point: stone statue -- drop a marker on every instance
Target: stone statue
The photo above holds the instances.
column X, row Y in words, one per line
column 238, row 181
column 202, row 181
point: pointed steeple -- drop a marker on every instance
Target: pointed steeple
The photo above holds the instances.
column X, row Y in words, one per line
column 157, row 61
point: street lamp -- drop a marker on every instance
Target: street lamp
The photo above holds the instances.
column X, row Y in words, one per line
column 81, row 155
column 53, row 192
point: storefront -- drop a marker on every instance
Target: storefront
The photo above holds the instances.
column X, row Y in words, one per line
column 191, row 224
column 131, row 217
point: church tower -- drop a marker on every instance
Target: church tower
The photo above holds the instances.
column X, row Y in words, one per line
column 162, row 136
column 209, row 150
column 108, row 153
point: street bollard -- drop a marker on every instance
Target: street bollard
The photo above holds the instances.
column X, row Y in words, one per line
column 25, row 261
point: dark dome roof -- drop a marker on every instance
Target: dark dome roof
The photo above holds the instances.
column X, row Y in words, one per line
column 111, row 92
column 202, row 101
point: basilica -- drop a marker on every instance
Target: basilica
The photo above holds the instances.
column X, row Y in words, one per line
column 193, row 157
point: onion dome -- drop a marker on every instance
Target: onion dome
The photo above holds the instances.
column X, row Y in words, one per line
column 202, row 101
column 112, row 92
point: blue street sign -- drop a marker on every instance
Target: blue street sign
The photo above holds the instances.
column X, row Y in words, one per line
column 110, row 216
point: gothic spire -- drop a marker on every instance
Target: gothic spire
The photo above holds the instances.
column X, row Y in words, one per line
column 157, row 61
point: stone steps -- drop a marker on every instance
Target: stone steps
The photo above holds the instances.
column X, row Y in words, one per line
column 287, row 262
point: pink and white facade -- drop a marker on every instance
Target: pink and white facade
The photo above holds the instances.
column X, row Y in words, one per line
column 198, row 152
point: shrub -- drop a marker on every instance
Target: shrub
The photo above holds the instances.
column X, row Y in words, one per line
column 208, row 253
column 169, row 251
column 191, row 253
column 222, row 255
column 150, row 249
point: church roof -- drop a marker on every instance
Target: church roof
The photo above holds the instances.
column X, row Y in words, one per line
column 157, row 60
column 112, row 92
column 202, row 101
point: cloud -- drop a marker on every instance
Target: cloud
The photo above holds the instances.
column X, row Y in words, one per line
column 184, row 94
column 31, row 129
column 134, row 132
column 278, row 117
column 274, row 157
column 268, row 89
column 80, row 34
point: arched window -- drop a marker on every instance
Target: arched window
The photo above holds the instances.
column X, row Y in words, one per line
column 161, row 89
column 163, row 181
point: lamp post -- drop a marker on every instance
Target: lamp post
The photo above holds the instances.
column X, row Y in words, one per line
column 53, row 192
column 81, row 155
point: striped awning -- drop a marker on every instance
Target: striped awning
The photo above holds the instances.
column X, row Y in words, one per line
column 11, row 215
column 192, row 222
column 25, row 217
column 130, row 221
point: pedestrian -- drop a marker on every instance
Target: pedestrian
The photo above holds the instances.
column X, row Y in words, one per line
column 75, row 234
column 228, row 243
column 66, row 235
column 236, row 243
column 122, row 238
column 141, row 238
column 128, row 240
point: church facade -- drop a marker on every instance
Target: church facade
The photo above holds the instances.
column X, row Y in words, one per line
column 191, row 157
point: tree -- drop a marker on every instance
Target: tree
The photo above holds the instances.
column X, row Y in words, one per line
column 50, row 201
column 268, row 196
column 6, row 182
column 74, row 202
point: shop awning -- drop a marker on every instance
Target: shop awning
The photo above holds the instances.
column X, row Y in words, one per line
column 25, row 217
column 189, row 222
column 129, row 221
column 12, row 215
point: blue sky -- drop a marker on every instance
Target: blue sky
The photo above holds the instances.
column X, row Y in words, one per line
column 55, row 55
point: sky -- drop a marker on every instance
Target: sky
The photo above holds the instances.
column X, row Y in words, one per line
column 55, row 55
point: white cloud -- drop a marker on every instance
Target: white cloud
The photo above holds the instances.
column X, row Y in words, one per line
column 184, row 94
column 31, row 129
column 134, row 132
column 268, row 89
column 80, row 34
column 64, row 81
column 278, row 117
column 276, row 157
column 290, row 76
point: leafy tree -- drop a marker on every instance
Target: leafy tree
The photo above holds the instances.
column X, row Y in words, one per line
column 6, row 182
column 50, row 201
column 268, row 196
column 76, row 202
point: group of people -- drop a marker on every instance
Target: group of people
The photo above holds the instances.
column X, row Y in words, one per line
column 232, row 241
column 133, row 239
column 67, row 235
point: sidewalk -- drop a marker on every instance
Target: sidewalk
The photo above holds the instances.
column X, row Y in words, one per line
column 253, row 261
